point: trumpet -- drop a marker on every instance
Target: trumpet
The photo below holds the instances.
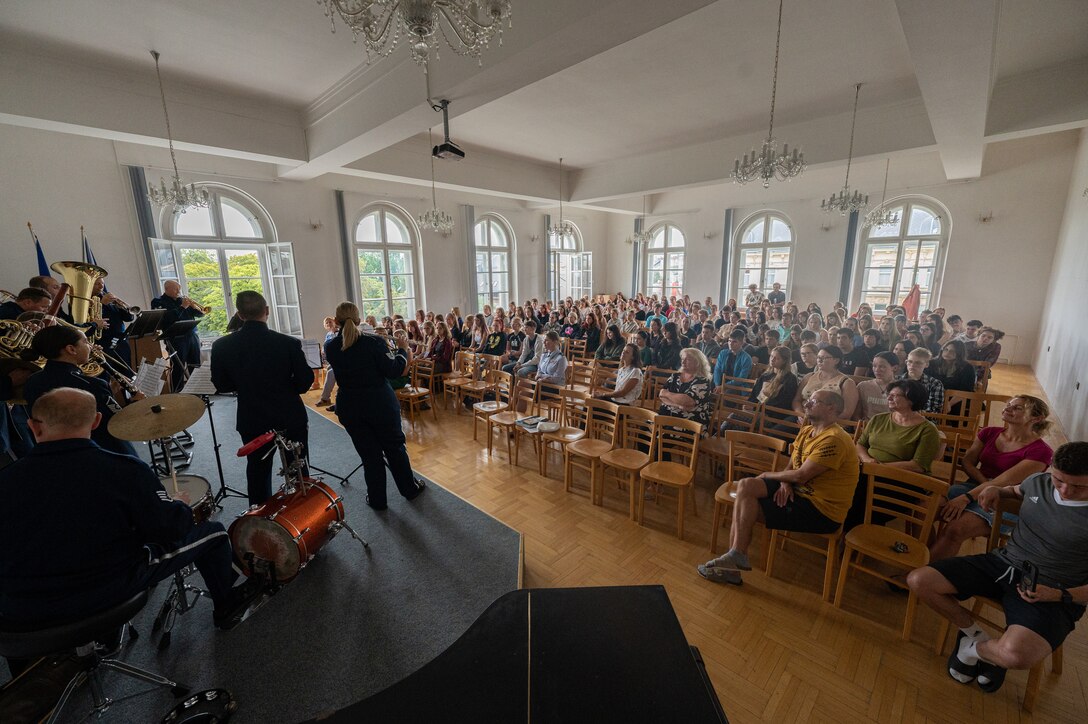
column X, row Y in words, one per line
column 115, row 301
column 6, row 296
column 194, row 305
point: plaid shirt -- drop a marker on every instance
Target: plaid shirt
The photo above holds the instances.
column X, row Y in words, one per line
column 934, row 389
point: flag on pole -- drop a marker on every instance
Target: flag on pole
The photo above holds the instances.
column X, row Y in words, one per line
column 912, row 301
column 43, row 267
column 88, row 255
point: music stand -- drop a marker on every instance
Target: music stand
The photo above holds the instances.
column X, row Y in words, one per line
column 146, row 323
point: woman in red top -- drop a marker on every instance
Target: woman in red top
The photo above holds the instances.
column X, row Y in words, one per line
column 1001, row 456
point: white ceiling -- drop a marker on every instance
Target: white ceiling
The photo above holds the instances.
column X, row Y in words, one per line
column 632, row 102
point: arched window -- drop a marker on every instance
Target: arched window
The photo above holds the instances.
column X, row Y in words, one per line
column 664, row 262
column 226, row 248
column 494, row 241
column 763, row 253
column 894, row 257
column 385, row 250
column 570, row 270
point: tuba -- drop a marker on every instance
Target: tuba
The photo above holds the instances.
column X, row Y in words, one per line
column 81, row 278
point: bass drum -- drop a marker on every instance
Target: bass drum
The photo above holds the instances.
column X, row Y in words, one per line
column 277, row 539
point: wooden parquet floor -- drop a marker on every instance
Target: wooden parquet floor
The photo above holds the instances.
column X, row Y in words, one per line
column 773, row 649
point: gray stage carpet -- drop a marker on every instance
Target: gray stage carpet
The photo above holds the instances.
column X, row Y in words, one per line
column 354, row 621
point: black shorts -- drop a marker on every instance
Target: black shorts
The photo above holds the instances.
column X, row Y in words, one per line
column 799, row 514
column 987, row 575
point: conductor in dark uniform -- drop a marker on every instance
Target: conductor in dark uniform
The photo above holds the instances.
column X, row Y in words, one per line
column 187, row 346
column 269, row 371
column 366, row 405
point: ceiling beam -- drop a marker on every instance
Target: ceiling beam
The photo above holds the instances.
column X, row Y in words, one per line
column 952, row 46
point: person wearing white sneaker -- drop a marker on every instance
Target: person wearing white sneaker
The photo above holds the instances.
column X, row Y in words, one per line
column 1051, row 537
column 812, row 496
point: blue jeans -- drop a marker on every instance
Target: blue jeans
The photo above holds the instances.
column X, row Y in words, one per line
column 1007, row 523
column 526, row 370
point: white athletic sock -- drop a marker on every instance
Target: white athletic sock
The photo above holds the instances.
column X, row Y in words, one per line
column 975, row 631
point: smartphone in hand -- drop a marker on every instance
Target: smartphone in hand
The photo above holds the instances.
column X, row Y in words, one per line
column 1029, row 576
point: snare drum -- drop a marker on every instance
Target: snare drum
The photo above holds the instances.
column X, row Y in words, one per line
column 200, row 495
column 287, row 530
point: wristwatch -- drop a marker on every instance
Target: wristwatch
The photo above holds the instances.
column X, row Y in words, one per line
column 1067, row 597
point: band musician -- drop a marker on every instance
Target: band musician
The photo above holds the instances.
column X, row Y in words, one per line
column 269, row 371
column 30, row 299
column 114, row 341
column 187, row 346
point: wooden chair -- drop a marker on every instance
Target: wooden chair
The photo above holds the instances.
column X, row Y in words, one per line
column 947, row 466
column 909, row 498
column 758, row 368
column 464, row 372
column 604, row 377
column 414, row 395
column 547, row 403
column 573, row 416
column 633, row 452
column 975, row 405
column 716, row 447
column 653, row 381
column 500, row 386
column 602, row 425
column 779, row 422
column 524, row 391
column 829, row 549
column 580, row 377
column 675, row 457
column 576, row 350
column 1035, row 674
column 474, row 391
column 982, row 374
column 747, row 454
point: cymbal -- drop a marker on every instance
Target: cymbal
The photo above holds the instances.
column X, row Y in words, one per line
column 156, row 417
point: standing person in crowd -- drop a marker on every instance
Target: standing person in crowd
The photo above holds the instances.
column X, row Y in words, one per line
column 872, row 394
column 753, row 297
column 776, row 295
column 186, row 344
column 686, row 393
column 827, row 377
column 951, row 369
column 367, row 406
column 269, row 371
column 917, row 361
column 1051, row 534
column 613, row 345
column 628, row 379
column 1001, row 457
column 330, row 376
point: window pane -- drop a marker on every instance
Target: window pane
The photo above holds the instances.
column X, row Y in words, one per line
column 676, row 283
column 284, row 262
column 482, row 282
column 676, row 260
column 778, row 258
column 481, row 261
column 658, row 240
column 656, row 261
column 395, row 230
column 401, row 285
column 199, row 263
column 754, row 235
column 400, row 262
column 780, row 231
column 877, row 300
column 294, row 321
column 928, row 255
column 480, row 233
column 194, row 222
column 376, row 308
column 749, row 276
column 878, row 280
column 238, row 221
column 881, row 255
column 367, row 230
column 371, row 262
column 654, row 281
column 242, row 263
column 780, row 275
column 372, row 287
column 888, row 229
column 209, row 293
column 499, row 283
column 923, row 222
column 498, row 236
column 498, row 262
column 676, row 238
column 164, row 258
column 751, row 258
column 404, row 307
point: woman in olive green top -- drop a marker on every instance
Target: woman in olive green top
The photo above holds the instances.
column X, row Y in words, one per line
column 901, row 438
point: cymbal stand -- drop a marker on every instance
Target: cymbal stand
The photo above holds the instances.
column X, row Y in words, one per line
column 225, row 491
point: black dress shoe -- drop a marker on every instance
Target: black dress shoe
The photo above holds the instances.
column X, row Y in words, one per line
column 420, row 487
column 383, row 506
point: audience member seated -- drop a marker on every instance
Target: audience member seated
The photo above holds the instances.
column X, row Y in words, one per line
column 951, row 369
column 985, row 347
column 812, row 496
column 776, row 387
column 441, row 349
column 591, row 333
column 628, row 379
column 999, row 456
column 855, row 360
column 1051, row 534
column 552, row 367
column 687, row 393
column 667, row 352
column 760, row 351
column 613, row 345
column 707, row 343
column 514, row 341
column 495, row 342
column 645, row 351
column 872, row 394
column 733, row 361
column 900, row 437
column 111, row 529
column 917, row 362
column 827, row 377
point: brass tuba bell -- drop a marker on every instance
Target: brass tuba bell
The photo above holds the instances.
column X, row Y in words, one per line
column 81, row 278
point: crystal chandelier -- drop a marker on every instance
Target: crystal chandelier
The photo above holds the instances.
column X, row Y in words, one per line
column 846, row 202
column 643, row 236
column 882, row 215
column 181, row 196
column 435, row 219
column 467, row 25
column 769, row 163
column 564, row 229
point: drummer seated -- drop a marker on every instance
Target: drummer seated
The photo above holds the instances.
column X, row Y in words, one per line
column 83, row 529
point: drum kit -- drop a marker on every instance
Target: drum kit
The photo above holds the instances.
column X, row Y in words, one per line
column 273, row 541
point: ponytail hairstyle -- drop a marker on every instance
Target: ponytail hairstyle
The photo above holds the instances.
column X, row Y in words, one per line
column 347, row 318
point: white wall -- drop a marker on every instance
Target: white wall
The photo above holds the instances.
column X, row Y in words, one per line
column 1061, row 356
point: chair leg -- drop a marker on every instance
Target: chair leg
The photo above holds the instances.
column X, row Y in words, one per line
column 829, row 567
column 681, row 493
column 490, row 437
column 717, row 524
column 772, row 549
column 908, row 620
column 633, row 506
column 640, row 497
column 475, row 419
column 596, row 486
column 694, row 504
column 942, row 636
column 568, row 473
column 1031, row 690
column 1056, row 661
column 847, row 554
column 434, row 407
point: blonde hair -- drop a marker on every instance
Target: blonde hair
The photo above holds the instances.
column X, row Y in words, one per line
column 347, row 316
column 1036, row 408
column 700, row 359
column 780, row 373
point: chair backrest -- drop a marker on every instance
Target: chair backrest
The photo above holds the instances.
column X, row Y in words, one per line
column 573, row 411
column 779, row 422
column 1004, row 505
column 751, row 454
column 525, row 392
column 955, row 451
column 464, row 363
column 909, row 497
column 676, row 440
column 604, row 378
column 759, row 368
column 637, row 428
column 736, row 391
column 975, row 405
column 576, row 350
column 489, row 362
column 549, row 400
column 853, row 427
column 607, row 364
column 952, row 424
column 423, row 371
column 579, row 373
column 982, row 374
column 603, row 421
column 653, row 381
column 504, row 385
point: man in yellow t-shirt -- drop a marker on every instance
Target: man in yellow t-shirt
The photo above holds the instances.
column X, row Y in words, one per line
column 812, row 496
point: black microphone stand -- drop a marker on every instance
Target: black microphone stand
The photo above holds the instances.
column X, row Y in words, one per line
column 225, row 491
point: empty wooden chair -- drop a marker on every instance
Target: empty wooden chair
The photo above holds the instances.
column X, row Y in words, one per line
column 675, row 456
column 464, row 372
column 602, row 423
column 573, row 413
column 580, row 377
column 632, row 453
column 524, row 393
column 414, row 395
column 909, row 498
column 747, row 454
column 500, row 386
column 547, row 403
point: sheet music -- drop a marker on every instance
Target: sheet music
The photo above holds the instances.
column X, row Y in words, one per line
column 200, row 382
column 149, row 378
column 312, row 349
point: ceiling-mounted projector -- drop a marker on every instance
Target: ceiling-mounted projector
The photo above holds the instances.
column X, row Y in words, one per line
column 447, row 150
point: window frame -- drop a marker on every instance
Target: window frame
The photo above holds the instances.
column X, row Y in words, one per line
column 766, row 248
column 575, row 257
column 483, row 293
column 666, row 251
column 902, row 240
column 415, row 301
